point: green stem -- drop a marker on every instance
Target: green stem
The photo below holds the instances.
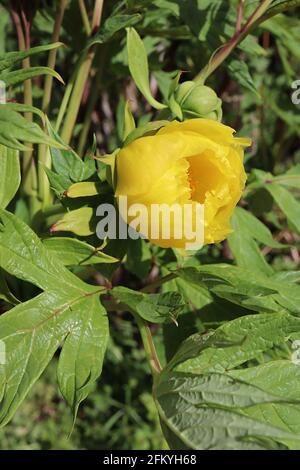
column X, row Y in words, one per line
column 53, row 53
column 145, row 332
column 66, row 98
column 76, row 97
column 44, row 158
column 85, row 17
column 240, row 16
column 154, row 285
column 87, row 119
column 27, row 167
column 90, row 107
column 226, row 50
column 81, row 79
column 149, row 346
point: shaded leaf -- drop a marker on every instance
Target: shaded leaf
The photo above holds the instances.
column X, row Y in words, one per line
column 10, row 175
column 155, row 308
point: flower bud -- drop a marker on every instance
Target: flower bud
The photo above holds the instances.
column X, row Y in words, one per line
column 198, row 101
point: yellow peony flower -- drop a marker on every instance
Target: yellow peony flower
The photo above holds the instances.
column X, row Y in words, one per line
column 196, row 161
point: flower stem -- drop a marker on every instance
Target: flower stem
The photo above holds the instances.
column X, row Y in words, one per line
column 85, row 17
column 149, row 346
column 81, row 79
column 159, row 282
column 240, row 16
column 94, row 94
column 24, row 43
column 222, row 54
column 43, row 151
column 145, row 332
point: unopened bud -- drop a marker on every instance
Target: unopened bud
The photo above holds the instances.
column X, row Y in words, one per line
column 198, row 101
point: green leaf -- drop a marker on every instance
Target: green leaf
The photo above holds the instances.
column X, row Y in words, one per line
column 10, row 175
column 213, row 22
column 109, row 160
column 244, row 248
column 234, row 343
column 8, row 59
column 23, row 255
column 5, row 293
column 155, row 308
column 129, row 123
column 250, row 289
column 19, row 76
column 282, row 378
column 65, row 161
column 84, row 189
column 256, row 228
column 73, row 252
column 138, row 258
column 59, row 183
column 239, row 71
column 287, row 203
column 81, row 359
column 138, row 66
column 205, row 412
column 24, row 108
column 15, row 129
column 218, row 389
column 291, row 178
column 279, row 6
column 34, row 330
column 148, row 129
column 246, row 228
column 79, row 221
column 112, row 25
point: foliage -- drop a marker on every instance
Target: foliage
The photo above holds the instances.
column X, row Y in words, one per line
column 219, row 328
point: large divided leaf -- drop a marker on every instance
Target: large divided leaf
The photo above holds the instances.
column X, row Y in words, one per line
column 81, row 359
column 205, row 412
column 234, row 343
column 32, row 331
column 201, row 409
column 250, row 289
column 282, row 378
